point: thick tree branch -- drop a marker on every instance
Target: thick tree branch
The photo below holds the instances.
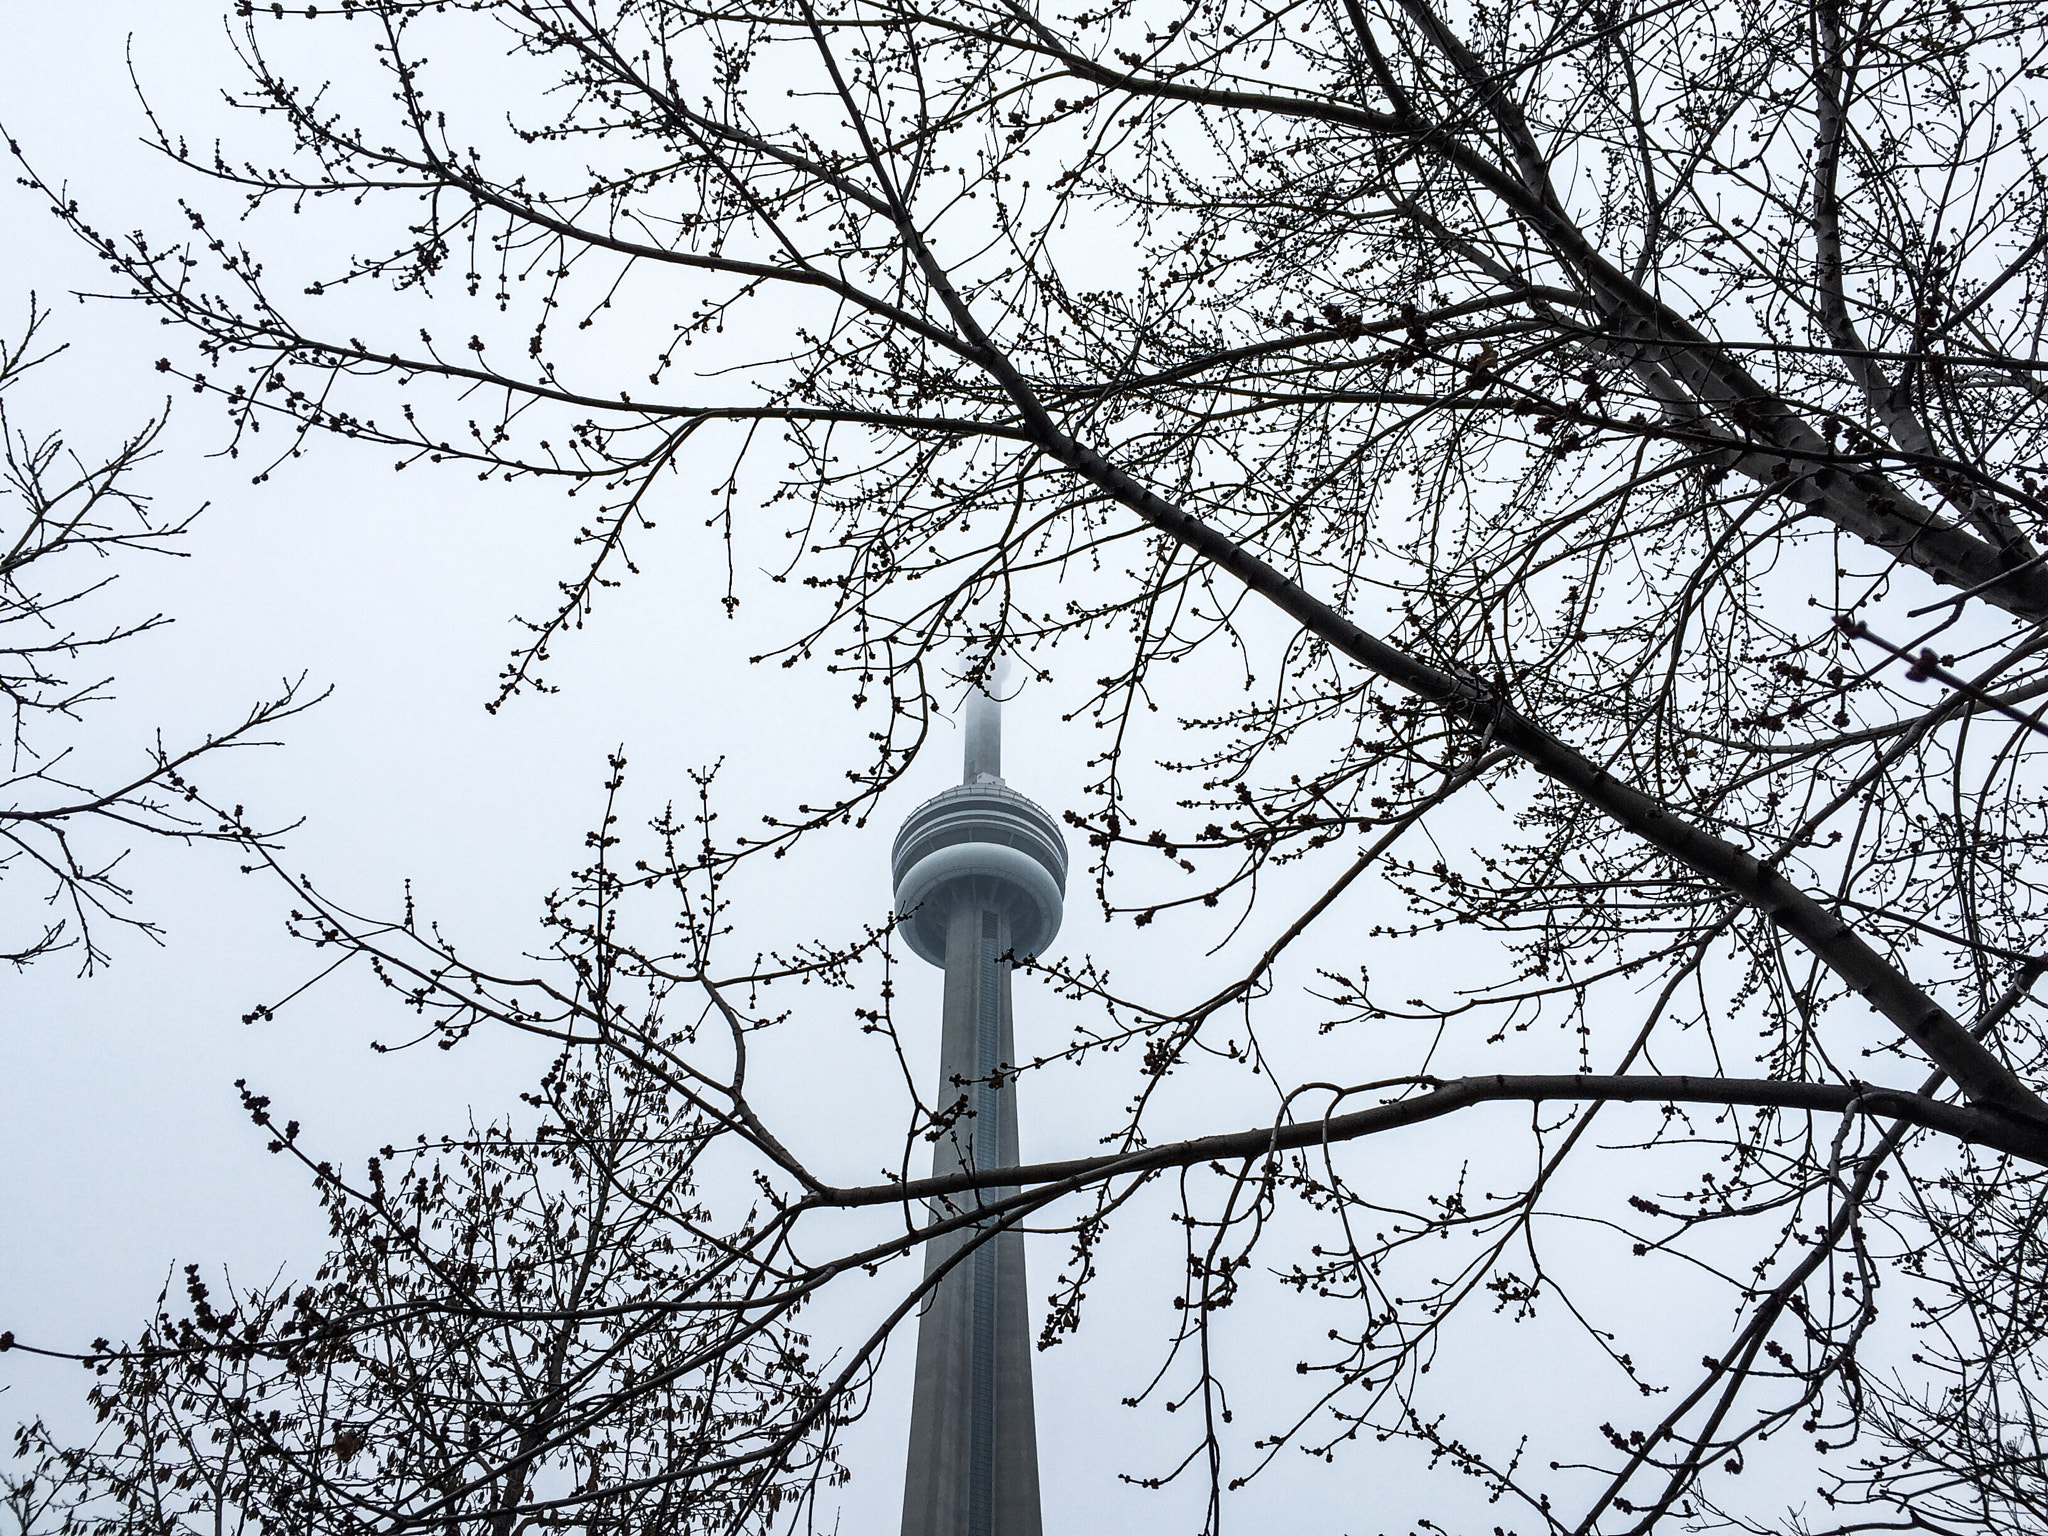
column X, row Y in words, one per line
column 1984, row 1078
column 1978, row 1127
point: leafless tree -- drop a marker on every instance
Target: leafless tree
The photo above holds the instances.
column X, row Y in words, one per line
column 517, row 1327
column 1601, row 442
column 65, row 521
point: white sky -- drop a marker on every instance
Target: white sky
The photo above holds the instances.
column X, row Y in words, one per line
column 122, row 1152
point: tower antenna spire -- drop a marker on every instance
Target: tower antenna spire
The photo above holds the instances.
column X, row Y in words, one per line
column 984, row 758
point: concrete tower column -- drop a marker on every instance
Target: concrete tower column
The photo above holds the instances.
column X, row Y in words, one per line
column 980, row 873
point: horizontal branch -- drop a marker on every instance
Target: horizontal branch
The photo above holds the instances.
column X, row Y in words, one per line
column 1979, row 1127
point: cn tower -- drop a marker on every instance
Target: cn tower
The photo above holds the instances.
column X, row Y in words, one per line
column 979, row 872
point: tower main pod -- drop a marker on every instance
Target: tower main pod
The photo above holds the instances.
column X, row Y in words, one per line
column 980, row 873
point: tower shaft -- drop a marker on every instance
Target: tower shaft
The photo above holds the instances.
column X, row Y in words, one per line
column 973, row 1468
column 980, row 873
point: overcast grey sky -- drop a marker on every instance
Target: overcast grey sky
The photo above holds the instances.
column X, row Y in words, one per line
column 122, row 1152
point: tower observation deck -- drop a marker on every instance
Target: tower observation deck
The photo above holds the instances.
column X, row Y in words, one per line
column 980, row 874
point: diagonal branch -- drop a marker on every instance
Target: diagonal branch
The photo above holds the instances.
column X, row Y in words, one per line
column 1984, row 1078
